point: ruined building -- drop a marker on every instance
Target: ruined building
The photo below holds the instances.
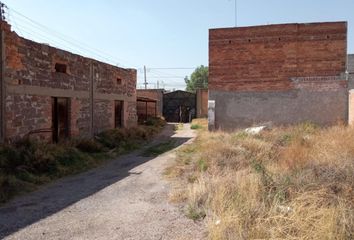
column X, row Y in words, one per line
column 284, row 74
column 55, row 94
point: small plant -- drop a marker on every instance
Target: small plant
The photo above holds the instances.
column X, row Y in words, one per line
column 203, row 166
column 195, row 213
column 196, row 126
column 178, row 126
column 240, row 135
column 155, row 121
column 90, row 146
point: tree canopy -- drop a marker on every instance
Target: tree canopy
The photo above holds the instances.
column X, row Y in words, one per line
column 198, row 79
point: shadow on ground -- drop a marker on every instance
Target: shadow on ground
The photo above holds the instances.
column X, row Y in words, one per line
column 50, row 199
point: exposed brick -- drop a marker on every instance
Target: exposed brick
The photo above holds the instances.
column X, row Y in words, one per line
column 266, row 57
column 281, row 74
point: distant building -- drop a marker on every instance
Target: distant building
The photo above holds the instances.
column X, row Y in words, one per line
column 179, row 106
column 54, row 94
column 149, row 103
column 283, row 74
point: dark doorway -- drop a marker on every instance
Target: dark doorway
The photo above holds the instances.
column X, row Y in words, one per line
column 179, row 106
column 118, row 114
column 60, row 118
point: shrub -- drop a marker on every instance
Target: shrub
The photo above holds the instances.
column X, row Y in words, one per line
column 155, row 121
column 196, row 126
column 89, row 146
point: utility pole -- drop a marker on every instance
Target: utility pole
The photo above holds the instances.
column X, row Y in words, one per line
column 2, row 74
column 235, row 13
column 158, row 84
column 145, row 83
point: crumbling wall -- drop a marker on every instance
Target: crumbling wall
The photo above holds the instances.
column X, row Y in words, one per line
column 32, row 80
column 283, row 74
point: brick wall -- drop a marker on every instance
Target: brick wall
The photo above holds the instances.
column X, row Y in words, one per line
column 32, row 81
column 266, row 57
column 272, row 73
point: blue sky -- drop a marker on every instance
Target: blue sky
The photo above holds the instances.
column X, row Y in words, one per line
column 159, row 33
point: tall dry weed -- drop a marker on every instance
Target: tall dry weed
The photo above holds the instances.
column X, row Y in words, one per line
column 286, row 183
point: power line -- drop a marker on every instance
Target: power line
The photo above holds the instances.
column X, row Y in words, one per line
column 174, row 68
column 77, row 44
column 177, row 77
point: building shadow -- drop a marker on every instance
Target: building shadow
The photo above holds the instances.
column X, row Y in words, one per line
column 52, row 198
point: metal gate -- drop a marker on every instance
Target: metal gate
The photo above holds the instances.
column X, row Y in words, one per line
column 179, row 106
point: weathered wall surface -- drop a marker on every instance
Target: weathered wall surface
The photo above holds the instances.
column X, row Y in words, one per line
column 26, row 113
column 243, row 109
column 32, row 80
column 350, row 69
column 271, row 73
column 202, row 103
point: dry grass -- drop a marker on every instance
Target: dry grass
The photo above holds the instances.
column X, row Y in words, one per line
column 285, row 183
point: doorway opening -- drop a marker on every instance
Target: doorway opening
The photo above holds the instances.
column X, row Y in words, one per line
column 60, row 118
column 118, row 114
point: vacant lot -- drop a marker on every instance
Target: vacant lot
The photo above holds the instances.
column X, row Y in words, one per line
column 292, row 182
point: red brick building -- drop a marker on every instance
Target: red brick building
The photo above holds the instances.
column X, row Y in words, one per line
column 284, row 74
column 152, row 106
column 52, row 93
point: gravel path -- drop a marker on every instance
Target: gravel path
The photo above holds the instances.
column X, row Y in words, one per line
column 125, row 199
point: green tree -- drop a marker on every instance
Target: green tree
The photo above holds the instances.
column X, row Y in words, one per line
column 198, row 79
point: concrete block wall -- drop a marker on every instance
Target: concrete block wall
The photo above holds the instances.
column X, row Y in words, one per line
column 350, row 69
column 272, row 73
column 32, row 80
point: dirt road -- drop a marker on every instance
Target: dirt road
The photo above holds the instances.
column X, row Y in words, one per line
column 125, row 199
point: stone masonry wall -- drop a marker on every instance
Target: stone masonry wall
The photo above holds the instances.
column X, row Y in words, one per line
column 271, row 73
column 27, row 113
column 32, row 80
